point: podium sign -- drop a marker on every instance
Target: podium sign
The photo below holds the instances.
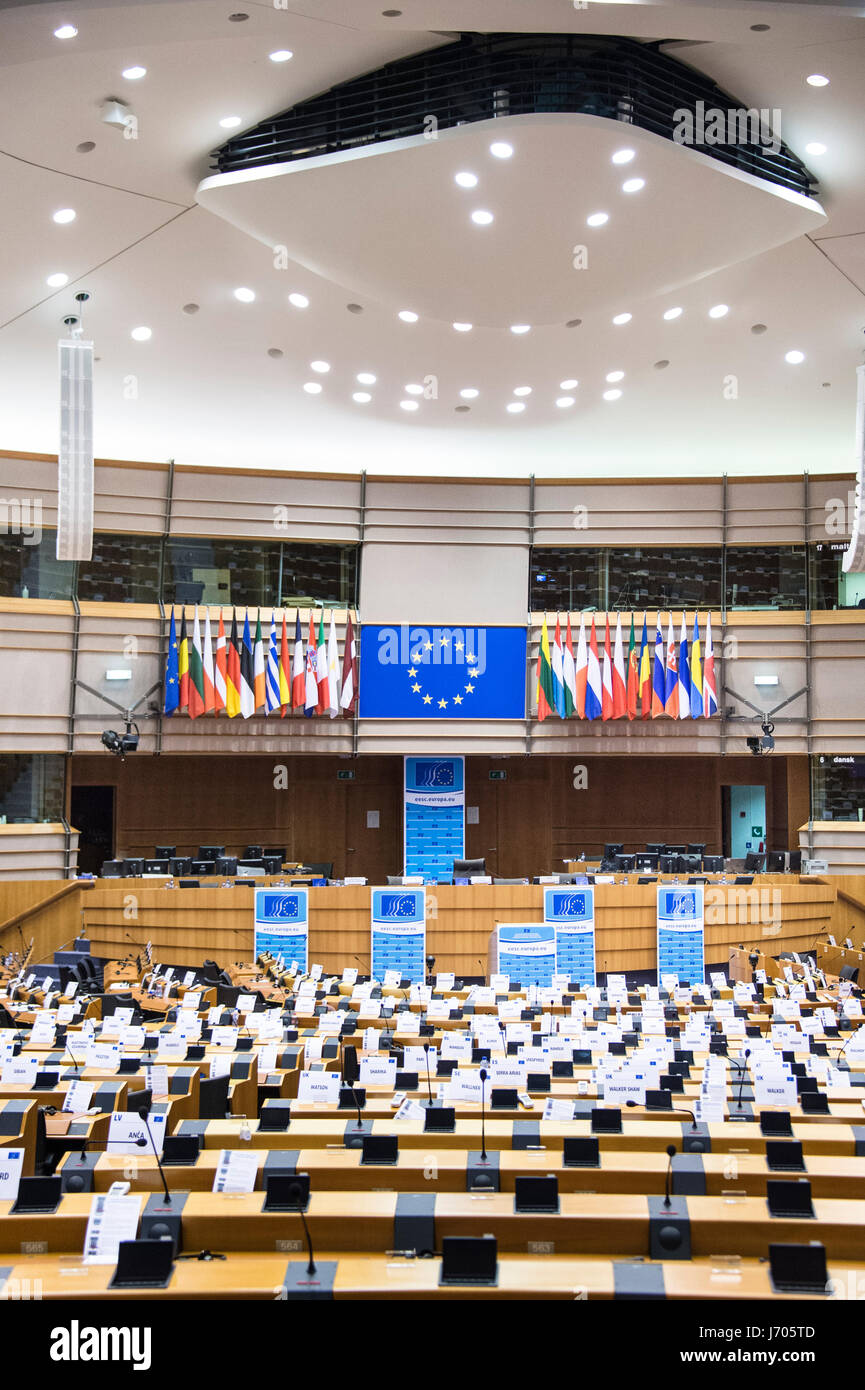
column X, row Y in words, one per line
column 525, row 951
column 282, row 924
column 572, row 912
column 398, row 931
column 680, row 932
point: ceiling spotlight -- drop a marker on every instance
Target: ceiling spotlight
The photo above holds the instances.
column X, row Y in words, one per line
column 597, row 219
column 466, row 180
column 230, row 122
column 281, row 55
column 64, row 215
column 57, row 280
column 312, row 388
column 133, row 74
column 354, row 308
column 469, row 393
column 366, row 378
column 319, row 366
column 462, row 327
column 238, row 17
column 66, row 31
column 299, row 301
column 815, row 147
column 142, row 334
column 612, row 395
column 633, row 185
column 718, row 311
column 391, row 14
column 522, row 390
column 408, row 316
column 623, row 156
column 275, row 352
column 569, row 385
column 462, row 408
column 614, row 376
column 414, row 389
column 362, row 397
column 245, row 295
column 673, row 313
column 515, row 407
column 501, row 149
column 622, row 318
column 758, row 328
column 191, row 308
column 664, row 362
column 482, row 218
column 520, row 327
column 573, row 323
column 564, row 401
column 409, row 405
column 85, row 147
column 817, row 80
column 794, row 357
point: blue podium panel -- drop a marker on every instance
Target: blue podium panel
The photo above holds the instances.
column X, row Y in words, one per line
column 571, row 911
column 282, row 924
column 434, row 810
column 680, row 932
column 526, row 952
column 409, row 672
column 398, row 928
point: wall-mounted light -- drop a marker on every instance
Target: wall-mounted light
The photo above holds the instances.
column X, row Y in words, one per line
column 765, row 680
column 118, row 673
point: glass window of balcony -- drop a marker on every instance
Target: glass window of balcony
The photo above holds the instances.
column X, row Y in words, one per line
column 665, row 577
column 830, row 587
column 839, row 787
column 322, row 573
column 259, row 573
column 567, row 580
column 122, row 569
column 31, row 787
column 767, row 576
column 29, row 567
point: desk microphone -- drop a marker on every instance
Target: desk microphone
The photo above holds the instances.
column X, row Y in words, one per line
column 743, row 1066
column 364, row 963
column 671, row 1154
column 295, row 1195
column 428, row 1082
column 843, row 1048
column 483, row 1076
column 673, row 1110
column 143, row 1114
column 350, row 1074
column 504, row 1037
column 71, row 1053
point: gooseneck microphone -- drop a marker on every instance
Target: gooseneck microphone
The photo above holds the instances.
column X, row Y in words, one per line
column 428, row 1082
column 71, row 1053
column 673, row 1110
column 295, row 1196
column 483, row 1077
column 743, row 1067
column 350, row 1074
column 668, row 1186
column 144, row 1115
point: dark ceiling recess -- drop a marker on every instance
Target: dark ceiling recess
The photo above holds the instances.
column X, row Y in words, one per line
column 483, row 76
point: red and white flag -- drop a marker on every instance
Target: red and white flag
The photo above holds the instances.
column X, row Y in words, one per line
column 348, row 698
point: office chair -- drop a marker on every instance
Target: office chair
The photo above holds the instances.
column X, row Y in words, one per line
column 469, row 868
column 213, row 1097
column 253, row 852
column 164, row 851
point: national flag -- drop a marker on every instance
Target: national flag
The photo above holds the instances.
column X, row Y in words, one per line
column 607, row 676
column 645, row 674
column 271, row 671
column 172, row 671
column 183, row 663
column 332, row 671
column 210, row 704
column 633, row 681
column 321, row 668
column 298, row 669
column 310, row 704
column 558, row 671
column 593, row 678
column 247, row 672
column 232, row 671
column 284, row 672
column 544, row 694
column 620, row 690
column 348, row 698
column 659, row 678
column 569, row 674
column 582, row 669
column 219, row 687
column 710, row 693
column 671, row 683
column 259, row 677
column 196, row 672
column 684, row 674
column 696, row 673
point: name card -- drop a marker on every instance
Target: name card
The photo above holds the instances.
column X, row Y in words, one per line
column 319, row 1086
column 103, row 1056
column 113, row 1218
column 559, row 1111
column 378, row 1071
column 776, row 1090
column 133, row 1037
column 192, row 1000
column 456, row 1045
column 224, row 1037
column 391, row 979
column 408, row 1023
column 445, row 979
column 237, row 1170
column 510, row 1073
column 157, row 1080
column 410, row 1110
column 112, row 1027
column 42, row 1035
column 618, row 1090
column 464, row 1085
column 127, row 1128
column 415, row 1060
column 349, row 975
column 220, row 1065
column 77, row 1098
column 500, row 983
column 11, row 1164
column 172, row 1048
column 267, row 1059
column 316, row 972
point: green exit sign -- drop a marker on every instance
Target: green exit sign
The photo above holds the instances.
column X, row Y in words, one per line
column 344, row 774
column 498, row 775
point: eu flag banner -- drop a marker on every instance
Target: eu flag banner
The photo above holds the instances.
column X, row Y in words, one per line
column 412, row 672
column 680, row 932
column 398, row 940
column 572, row 912
column 282, row 924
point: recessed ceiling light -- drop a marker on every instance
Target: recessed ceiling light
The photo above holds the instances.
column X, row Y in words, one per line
column 569, row 385
column 354, row 308
column 462, row 327
column 414, row 389
column 718, row 311
column 85, row 147
column 366, row 378
column 573, row 323
column 275, row 352
column 469, row 393
column 66, row 31
column 622, row 318
column 633, row 185
column 362, row 397
column 522, row 390
column 520, row 327
column 142, row 334
column 319, row 366
column 391, row 14
column 564, row 401
column 407, row 316
column 482, row 218
column 312, row 388
column 245, row 295
column 597, row 219
column 794, row 357
column 64, row 215
column 815, row 147
column 281, row 55
column 191, row 308
column 623, row 156
column 57, row 280
column 501, row 149
column 133, row 74
column 664, row 362
column 758, row 328
column 515, row 407
column 612, row 395
column 409, row 405
column 817, row 80
column 466, row 180
column 614, row 376
column 230, row 122
column 462, row 408
column 238, row 17
column 761, row 28
column 299, row 301
column 673, row 313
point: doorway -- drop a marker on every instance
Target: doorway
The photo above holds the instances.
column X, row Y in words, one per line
column 743, row 817
column 91, row 811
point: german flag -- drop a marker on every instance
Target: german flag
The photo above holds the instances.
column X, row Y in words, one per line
column 183, row 664
column 232, row 671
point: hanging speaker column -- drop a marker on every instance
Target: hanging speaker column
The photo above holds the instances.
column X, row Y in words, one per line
column 75, row 463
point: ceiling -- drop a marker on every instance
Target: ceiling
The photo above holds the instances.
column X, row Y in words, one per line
column 159, row 243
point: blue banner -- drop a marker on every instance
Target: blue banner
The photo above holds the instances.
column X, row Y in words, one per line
column 680, row 933
column 526, row 952
column 572, row 912
column 434, row 805
column 282, row 924
column 412, row 672
column 398, row 932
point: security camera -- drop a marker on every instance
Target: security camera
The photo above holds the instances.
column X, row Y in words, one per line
column 121, row 744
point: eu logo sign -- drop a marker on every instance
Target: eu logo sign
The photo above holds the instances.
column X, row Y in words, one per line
column 410, row 672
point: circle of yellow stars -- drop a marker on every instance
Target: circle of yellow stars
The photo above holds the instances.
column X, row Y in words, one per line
column 471, row 667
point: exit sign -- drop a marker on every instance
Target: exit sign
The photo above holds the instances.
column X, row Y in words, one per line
column 344, row 775
column 498, row 775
